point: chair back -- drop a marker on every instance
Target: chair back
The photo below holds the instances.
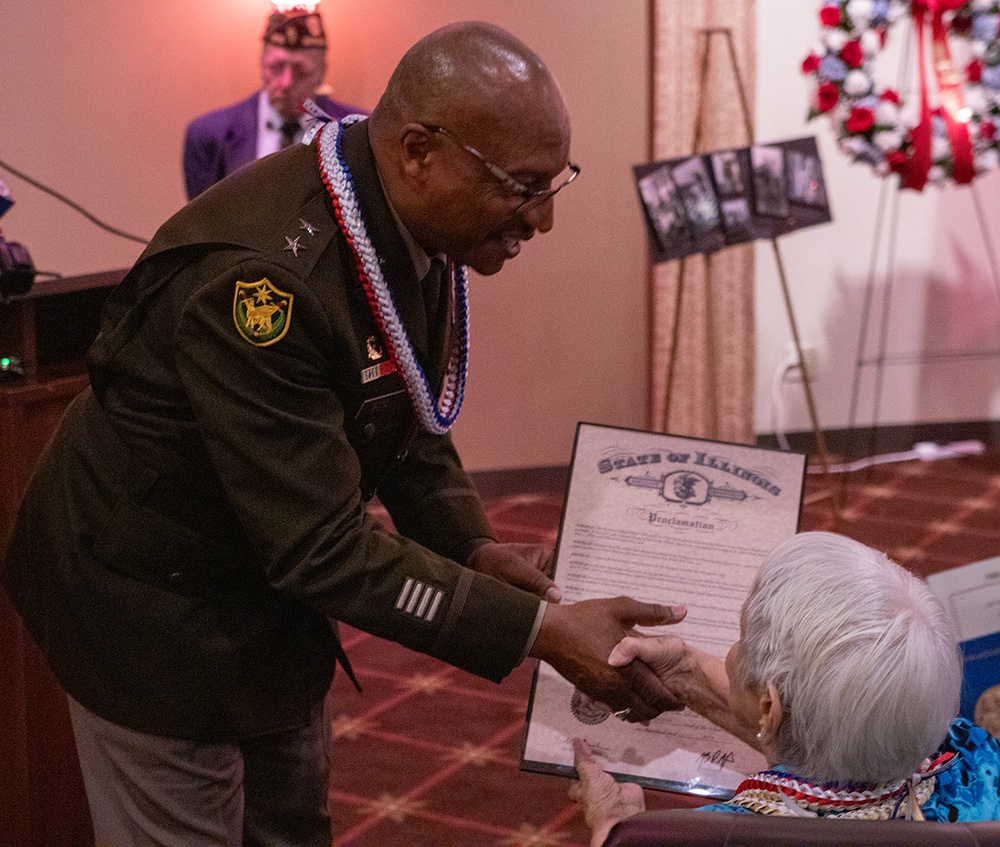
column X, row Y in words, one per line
column 689, row 828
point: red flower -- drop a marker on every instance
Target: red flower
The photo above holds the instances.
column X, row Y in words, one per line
column 860, row 120
column 988, row 129
column 810, row 64
column 829, row 15
column 974, row 72
column 891, row 96
column 827, row 96
column 852, row 54
column 898, row 161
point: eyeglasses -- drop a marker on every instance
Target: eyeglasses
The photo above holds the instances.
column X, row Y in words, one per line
column 529, row 199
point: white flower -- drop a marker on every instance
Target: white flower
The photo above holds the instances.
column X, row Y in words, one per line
column 835, row 39
column 982, row 5
column 935, row 174
column 871, row 44
column 852, row 145
column 841, row 112
column 859, row 11
column 988, row 160
column 888, row 140
column 857, row 83
column 887, row 113
column 940, row 147
column 975, row 99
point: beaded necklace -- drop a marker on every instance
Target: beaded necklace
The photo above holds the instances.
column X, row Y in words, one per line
column 780, row 793
column 437, row 416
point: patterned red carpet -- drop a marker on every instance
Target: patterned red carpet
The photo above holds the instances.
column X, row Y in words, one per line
column 428, row 755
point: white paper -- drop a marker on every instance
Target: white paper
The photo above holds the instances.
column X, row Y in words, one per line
column 971, row 596
column 673, row 520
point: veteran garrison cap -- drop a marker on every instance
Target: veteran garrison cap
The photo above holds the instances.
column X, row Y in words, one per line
column 295, row 28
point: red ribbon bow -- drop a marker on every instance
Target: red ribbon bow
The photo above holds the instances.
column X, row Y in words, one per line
column 952, row 104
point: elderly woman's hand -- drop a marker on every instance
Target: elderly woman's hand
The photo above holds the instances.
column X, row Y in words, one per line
column 695, row 678
column 604, row 801
column 667, row 656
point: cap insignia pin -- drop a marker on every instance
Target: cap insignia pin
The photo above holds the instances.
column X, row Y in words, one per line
column 375, row 349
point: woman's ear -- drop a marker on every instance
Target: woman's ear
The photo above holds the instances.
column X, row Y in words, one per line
column 770, row 713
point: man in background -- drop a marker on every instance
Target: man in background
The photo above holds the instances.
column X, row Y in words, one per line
column 292, row 68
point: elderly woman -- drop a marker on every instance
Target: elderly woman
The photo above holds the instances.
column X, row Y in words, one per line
column 846, row 677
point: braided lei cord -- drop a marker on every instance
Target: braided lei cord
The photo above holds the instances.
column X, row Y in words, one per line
column 780, row 793
column 436, row 416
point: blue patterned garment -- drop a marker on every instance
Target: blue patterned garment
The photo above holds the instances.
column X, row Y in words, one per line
column 968, row 790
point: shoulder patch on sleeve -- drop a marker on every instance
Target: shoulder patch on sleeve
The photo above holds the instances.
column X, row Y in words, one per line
column 261, row 312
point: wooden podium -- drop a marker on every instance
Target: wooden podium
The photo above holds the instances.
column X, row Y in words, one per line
column 42, row 802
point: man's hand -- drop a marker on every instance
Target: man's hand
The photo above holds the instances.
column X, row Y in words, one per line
column 576, row 639
column 695, row 678
column 604, row 802
column 525, row 566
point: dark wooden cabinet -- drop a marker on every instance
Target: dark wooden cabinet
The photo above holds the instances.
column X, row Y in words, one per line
column 48, row 331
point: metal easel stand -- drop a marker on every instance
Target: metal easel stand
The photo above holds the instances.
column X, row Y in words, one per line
column 705, row 39
column 880, row 358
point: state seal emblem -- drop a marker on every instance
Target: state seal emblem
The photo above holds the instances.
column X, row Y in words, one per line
column 261, row 312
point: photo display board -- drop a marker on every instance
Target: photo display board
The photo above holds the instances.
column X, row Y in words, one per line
column 700, row 204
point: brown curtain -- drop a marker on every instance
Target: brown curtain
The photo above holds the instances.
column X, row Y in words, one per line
column 715, row 320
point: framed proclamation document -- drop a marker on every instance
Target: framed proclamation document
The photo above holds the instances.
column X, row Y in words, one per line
column 674, row 520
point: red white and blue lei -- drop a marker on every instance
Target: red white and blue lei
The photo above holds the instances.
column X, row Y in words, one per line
column 952, row 134
column 436, row 416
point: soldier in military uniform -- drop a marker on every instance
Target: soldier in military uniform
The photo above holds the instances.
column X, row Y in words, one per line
column 270, row 363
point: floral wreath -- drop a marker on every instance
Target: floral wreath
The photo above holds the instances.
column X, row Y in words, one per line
column 955, row 139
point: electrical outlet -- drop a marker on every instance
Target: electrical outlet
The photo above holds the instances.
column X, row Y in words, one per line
column 810, row 352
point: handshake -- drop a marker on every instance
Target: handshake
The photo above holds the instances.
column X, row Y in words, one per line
column 578, row 639
column 593, row 645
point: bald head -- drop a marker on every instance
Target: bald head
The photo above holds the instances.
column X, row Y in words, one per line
column 468, row 72
column 470, row 85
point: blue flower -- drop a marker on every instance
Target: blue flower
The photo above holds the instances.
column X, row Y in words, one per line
column 832, row 68
column 991, row 77
column 984, row 27
column 880, row 12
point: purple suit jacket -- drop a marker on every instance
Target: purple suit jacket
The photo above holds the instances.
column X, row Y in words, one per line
column 220, row 142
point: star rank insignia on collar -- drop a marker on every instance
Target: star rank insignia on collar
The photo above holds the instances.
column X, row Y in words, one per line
column 308, row 227
column 293, row 245
column 261, row 312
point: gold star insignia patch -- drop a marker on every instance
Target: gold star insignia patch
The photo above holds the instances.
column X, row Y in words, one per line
column 261, row 312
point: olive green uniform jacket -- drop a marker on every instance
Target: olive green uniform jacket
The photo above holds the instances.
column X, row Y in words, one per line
column 198, row 521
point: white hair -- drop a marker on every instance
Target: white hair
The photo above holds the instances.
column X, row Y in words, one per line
column 862, row 656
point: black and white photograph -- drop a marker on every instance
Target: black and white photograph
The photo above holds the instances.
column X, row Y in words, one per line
column 736, row 223
column 664, row 209
column 768, row 162
column 695, row 187
column 805, row 179
column 727, row 171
